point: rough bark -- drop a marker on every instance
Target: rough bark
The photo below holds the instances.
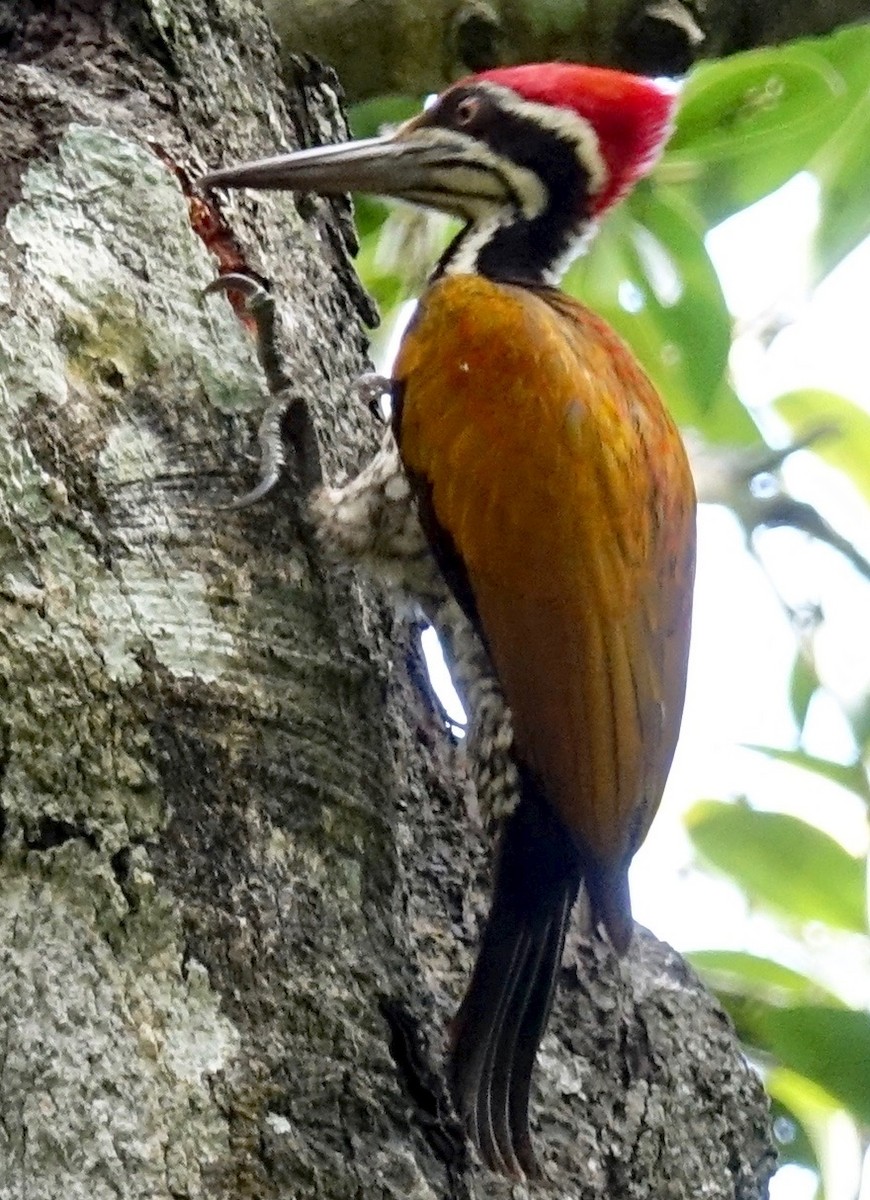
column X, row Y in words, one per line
column 416, row 48
column 238, row 882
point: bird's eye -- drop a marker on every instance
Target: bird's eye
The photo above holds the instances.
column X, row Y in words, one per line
column 466, row 110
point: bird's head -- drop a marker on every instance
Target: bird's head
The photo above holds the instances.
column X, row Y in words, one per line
column 527, row 157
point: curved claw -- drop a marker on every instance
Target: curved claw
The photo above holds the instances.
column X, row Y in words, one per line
column 254, row 496
column 260, row 304
column 235, row 281
column 286, row 418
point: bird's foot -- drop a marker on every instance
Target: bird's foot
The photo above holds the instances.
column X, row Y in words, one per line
column 286, row 420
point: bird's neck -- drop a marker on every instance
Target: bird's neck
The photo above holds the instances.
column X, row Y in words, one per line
column 525, row 251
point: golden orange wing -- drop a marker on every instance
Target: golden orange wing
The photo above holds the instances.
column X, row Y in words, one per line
column 564, row 486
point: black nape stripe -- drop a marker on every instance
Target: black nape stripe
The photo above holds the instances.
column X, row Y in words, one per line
column 521, row 248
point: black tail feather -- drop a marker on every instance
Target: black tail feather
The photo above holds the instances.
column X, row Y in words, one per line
column 502, row 1018
column 477, row 1026
column 490, row 1119
column 534, row 1024
column 528, row 1017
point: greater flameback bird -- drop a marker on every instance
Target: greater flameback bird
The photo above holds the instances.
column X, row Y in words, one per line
column 538, row 468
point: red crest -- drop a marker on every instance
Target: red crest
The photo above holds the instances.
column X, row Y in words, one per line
column 630, row 114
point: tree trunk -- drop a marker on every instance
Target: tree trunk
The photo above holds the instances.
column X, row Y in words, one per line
column 239, row 887
column 415, row 48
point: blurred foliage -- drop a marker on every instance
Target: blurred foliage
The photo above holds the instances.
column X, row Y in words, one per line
column 783, row 863
column 849, row 452
column 746, row 126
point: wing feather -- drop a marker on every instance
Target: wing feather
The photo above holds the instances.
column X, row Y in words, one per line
column 562, row 482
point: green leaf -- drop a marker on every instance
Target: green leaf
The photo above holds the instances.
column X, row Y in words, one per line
column 648, row 273
column 842, row 164
column 803, row 683
column 808, row 1109
column 724, row 420
column 386, row 287
column 793, row 1141
column 750, row 101
column 828, row 1046
column 851, row 776
column 370, row 117
column 734, row 972
column 750, row 122
column 369, row 213
column 782, row 862
column 859, row 719
column 848, row 447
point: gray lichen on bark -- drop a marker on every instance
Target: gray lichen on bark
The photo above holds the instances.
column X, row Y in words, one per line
column 239, row 890
column 109, row 1044
column 121, row 593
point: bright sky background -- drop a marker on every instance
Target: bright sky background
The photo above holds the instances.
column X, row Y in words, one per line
column 743, row 646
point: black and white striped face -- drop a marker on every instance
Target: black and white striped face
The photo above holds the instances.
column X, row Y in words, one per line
column 522, row 175
column 527, row 157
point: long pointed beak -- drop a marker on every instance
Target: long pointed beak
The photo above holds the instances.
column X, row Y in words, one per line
column 438, row 168
column 381, row 165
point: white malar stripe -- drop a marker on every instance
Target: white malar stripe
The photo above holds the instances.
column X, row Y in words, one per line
column 463, row 261
column 574, row 247
column 485, row 186
column 564, row 122
column 486, row 191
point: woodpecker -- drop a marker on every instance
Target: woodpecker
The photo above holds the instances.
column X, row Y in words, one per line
column 535, row 495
